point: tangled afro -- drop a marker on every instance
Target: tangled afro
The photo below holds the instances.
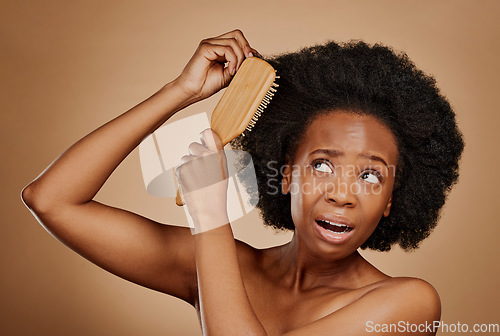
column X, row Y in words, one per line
column 372, row 80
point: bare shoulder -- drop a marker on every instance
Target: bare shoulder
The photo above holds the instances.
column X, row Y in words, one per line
column 412, row 297
column 408, row 287
column 389, row 307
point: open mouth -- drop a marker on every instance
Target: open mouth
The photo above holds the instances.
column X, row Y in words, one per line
column 333, row 227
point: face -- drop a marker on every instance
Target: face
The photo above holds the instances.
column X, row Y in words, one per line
column 341, row 181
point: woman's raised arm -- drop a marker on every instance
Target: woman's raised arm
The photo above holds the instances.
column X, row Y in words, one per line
column 133, row 247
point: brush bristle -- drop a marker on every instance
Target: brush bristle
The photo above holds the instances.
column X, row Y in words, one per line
column 260, row 109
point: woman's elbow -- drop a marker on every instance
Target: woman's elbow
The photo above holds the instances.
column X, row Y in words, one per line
column 27, row 196
column 34, row 200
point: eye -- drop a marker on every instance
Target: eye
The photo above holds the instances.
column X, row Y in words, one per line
column 322, row 166
column 371, row 176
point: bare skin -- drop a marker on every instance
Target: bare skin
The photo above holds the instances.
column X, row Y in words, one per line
column 310, row 286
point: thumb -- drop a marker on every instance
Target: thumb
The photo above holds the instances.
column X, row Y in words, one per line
column 226, row 77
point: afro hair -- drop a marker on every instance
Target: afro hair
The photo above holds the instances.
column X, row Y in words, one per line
column 372, row 80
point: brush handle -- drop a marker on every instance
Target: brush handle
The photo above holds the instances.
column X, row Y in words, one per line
column 178, row 198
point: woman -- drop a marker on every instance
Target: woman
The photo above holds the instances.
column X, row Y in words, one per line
column 366, row 149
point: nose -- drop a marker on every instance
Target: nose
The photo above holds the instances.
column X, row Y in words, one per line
column 340, row 191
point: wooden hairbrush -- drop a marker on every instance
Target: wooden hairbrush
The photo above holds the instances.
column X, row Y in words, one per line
column 244, row 100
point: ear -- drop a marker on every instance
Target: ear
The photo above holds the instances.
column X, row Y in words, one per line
column 387, row 210
column 287, row 179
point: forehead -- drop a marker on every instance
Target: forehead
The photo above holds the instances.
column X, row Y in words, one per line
column 351, row 133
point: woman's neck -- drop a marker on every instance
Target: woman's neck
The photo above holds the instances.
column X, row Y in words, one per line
column 299, row 269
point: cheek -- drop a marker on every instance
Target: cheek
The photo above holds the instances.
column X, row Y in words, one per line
column 373, row 203
column 303, row 195
column 296, row 200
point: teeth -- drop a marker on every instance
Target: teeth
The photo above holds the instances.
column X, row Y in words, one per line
column 343, row 226
column 336, row 224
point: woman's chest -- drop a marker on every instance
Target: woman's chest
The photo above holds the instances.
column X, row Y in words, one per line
column 282, row 309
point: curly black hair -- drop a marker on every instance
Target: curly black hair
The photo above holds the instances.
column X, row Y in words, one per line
column 372, row 80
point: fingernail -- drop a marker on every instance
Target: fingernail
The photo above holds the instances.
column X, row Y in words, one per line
column 233, row 71
column 250, row 54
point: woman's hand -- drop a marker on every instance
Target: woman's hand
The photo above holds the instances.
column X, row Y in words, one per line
column 207, row 72
column 203, row 178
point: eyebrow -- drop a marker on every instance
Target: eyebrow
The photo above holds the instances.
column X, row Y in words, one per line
column 334, row 153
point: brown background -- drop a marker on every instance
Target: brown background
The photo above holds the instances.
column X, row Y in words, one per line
column 69, row 66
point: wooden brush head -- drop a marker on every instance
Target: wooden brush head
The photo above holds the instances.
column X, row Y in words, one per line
column 242, row 98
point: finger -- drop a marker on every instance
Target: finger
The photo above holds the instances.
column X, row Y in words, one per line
column 220, row 53
column 186, row 158
column 240, row 54
column 236, row 48
column 227, row 76
column 197, row 149
column 256, row 53
column 211, row 140
column 243, row 42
